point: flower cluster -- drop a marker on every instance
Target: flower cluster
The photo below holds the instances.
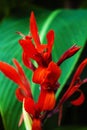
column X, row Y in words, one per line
column 46, row 75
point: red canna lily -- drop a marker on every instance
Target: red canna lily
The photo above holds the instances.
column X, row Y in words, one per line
column 23, row 92
column 37, row 110
column 75, row 84
column 32, row 46
column 74, row 87
column 18, row 76
column 34, row 110
column 47, row 77
column 70, row 52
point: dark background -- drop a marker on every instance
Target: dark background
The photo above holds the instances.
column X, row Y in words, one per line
column 12, row 6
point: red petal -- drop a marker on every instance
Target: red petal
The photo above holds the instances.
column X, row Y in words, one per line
column 68, row 93
column 78, row 71
column 48, row 75
column 70, row 52
column 30, row 50
column 10, row 72
column 54, row 73
column 25, row 84
column 36, row 124
column 19, row 69
column 49, row 101
column 50, row 39
column 42, row 48
column 71, row 91
column 39, row 75
column 46, row 100
column 27, row 62
column 28, row 47
column 29, row 106
column 34, row 30
column 51, row 75
column 79, row 100
column 19, row 94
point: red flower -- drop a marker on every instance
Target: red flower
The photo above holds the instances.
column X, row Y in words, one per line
column 47, row 78
column 33, row 49
column 37, row 110
column 18, row 76
column 46, row 75
column 47, row 99
column 36, row 124
column 23, row 92
column 73, row 88
column 70, row 52
column 32, row 46
column 34, row 110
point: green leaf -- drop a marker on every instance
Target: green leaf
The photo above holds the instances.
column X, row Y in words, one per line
column 70, row 27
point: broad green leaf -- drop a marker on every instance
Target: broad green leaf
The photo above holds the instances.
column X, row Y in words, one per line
column 70, row 28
